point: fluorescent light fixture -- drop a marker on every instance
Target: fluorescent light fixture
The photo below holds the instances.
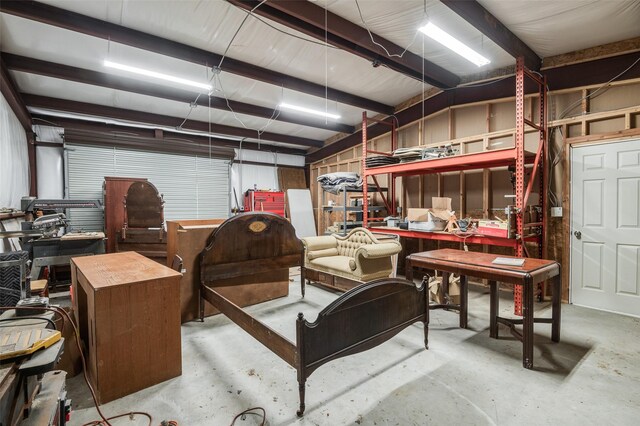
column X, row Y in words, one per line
column 157, row 75
column 454, row 44
column 309, row 111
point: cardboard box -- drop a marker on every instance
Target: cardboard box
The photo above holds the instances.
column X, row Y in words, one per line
column 435, row 283
column 494, row 228
column 435, row 218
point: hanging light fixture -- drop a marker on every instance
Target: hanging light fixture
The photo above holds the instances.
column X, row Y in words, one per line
column 157, row 75
column 450, row 42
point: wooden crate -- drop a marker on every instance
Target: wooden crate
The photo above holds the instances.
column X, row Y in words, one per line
column 128, row 313
column 187, row 238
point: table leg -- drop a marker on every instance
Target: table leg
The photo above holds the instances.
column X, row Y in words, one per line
column 444, row 288
column 527, row 325
column 494, row 304
column 555, row 308
column 408, row 273
column 464, row 298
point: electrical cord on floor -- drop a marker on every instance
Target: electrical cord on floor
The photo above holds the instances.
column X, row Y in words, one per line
column 131, row 415
column 243, row 415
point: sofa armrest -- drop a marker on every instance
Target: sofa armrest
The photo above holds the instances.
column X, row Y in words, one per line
column 319, row 243
column 373, row 251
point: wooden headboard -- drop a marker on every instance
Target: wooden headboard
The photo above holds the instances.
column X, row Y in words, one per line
column 250, row 243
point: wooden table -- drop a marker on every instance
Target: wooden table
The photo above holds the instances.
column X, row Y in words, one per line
column 128, row 312
column 480, row 265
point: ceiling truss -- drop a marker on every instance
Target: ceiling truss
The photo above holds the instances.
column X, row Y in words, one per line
column 75, row 107
column 96, row 78
column 309, row 19
column 119, row 34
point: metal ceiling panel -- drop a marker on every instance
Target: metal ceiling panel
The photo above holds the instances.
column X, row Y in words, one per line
column 62, row 89
column 211, row 25
column 400, row 24
column 555, row 27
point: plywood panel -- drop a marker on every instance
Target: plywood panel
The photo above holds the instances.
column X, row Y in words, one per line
column 473, row 147
column 470, row 121
column 436, row 129
column 503, row 116
column 531, row 141
column 291, row 178
column 502, row 142
column 501, row 186
column 412, row 186
column 606, row 126
column 383, row 144
column 473, row 188
column 346, row 155
column 616, row 98
column 408, row 136
column 452, row 190
column 565, row 105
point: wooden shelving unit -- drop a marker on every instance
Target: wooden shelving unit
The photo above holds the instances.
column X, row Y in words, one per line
column 517, row 157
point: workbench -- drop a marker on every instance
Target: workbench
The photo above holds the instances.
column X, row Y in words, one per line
column 31, row 392
column 480, row 265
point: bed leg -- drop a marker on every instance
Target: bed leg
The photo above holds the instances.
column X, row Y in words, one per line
column 301, row 386
column 201, row 305
column 426, row 335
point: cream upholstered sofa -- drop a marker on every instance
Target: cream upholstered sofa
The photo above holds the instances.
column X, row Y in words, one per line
column 344, row 262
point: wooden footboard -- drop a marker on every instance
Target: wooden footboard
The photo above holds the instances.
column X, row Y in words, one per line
column 360, row 319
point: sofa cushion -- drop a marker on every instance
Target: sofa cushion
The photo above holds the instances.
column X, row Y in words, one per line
column 334, row 264
column 322, row 253
column 341, row 266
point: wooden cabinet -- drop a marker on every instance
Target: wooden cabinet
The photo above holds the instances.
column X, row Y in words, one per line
column 187, row 238
column 114, row 190
column 128, row 313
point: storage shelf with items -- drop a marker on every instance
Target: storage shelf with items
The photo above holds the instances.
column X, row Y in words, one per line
column 347, row 196
column 529, row 223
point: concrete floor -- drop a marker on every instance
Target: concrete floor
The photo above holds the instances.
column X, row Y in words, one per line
column 592, row 377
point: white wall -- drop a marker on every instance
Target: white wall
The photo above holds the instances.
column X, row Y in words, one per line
column 50, row 166
column 14, row 158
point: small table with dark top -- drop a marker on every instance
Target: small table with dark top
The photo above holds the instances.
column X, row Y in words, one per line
column 480, row 265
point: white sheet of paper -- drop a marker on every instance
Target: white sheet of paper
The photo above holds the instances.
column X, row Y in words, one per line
column 509, row 261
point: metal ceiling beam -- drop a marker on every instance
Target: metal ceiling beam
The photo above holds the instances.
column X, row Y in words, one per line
column 116, row 33
column 159, row 120
column 309, row 19
column 95, row 78
column 11, row 94
column 473, row 12
column 187, row 143
column 563, row 77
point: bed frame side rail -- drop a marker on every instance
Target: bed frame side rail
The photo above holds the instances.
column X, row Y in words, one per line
column 275, row 342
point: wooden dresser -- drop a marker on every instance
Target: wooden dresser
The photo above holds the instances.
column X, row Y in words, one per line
column 128, row 313
column 187, row 238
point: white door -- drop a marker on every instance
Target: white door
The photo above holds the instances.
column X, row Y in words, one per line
column 605, row 227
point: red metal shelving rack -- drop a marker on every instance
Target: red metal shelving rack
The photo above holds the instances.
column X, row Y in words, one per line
column 505, row 157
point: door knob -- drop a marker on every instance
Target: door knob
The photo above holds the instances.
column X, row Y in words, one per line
column 578, row 234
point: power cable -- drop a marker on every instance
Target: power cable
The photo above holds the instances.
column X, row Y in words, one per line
column 391, row 55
